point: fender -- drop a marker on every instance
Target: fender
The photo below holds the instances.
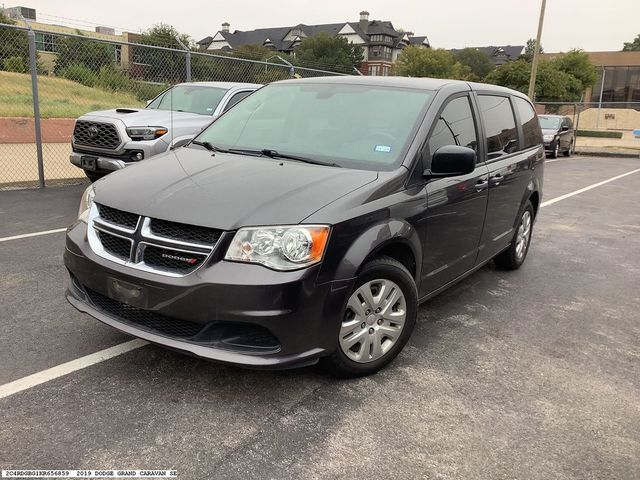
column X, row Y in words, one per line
column 373, row 240
column 532, row 186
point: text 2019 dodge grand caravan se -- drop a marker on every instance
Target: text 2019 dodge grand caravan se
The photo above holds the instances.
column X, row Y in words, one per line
column 309, row 221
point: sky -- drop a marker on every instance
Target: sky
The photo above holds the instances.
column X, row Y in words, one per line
column 593, row 25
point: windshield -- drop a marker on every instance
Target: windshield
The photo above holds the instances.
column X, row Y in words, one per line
column 549, row 123
column 355, row 126
column 189, row 98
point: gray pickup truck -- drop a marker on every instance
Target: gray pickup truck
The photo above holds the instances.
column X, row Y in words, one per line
column 109, row 140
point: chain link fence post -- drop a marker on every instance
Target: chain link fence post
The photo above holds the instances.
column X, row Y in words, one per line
column 187, row 62
column 33, row 61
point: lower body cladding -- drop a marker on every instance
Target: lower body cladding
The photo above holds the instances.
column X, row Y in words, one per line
column 234, row 313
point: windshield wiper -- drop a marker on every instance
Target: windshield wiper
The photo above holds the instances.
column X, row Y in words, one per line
column 209, row 146
column 275, row 154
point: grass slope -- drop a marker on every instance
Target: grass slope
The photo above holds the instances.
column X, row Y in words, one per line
column 59, row 98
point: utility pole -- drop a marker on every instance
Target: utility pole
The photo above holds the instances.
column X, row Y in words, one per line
column 536, row 53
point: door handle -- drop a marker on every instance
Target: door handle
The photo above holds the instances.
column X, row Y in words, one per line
column 496, row 179
column 481, row 185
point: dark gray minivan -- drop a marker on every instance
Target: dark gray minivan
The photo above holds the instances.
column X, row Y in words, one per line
column 309, row 221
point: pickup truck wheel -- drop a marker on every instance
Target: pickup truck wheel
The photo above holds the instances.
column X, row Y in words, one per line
column 377, row 321
column 93, row 176
column 514, row 256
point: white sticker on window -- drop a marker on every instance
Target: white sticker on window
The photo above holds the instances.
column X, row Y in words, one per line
column 209, row 109
column 383, row 148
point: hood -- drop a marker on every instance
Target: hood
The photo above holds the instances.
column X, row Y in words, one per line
column 549, row 131
column 226, row 191
column 142, row 117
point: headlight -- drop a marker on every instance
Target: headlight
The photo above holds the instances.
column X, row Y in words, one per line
column 85, row 203
column 548, row 138
column 280, row 247
column 146, row 133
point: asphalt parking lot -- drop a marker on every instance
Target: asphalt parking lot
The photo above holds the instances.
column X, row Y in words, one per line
column 526, row 374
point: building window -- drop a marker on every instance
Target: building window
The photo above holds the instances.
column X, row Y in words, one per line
column 374, row 70
column 118, row 54
column 621, row 84
column 45, row 42
column 380, row 38
column 380, row 51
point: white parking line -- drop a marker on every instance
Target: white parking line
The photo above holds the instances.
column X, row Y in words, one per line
column 577, row 192
column 63, row 369
column 83, row 362
column 35, row 234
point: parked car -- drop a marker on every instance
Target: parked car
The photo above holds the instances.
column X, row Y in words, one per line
column 109, row 140
column 558, row 135
column 310, row 221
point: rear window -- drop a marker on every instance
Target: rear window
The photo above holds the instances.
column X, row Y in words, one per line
column 499, row 125
column 532, row 135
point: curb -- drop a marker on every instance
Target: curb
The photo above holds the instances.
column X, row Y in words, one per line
column 607, row 153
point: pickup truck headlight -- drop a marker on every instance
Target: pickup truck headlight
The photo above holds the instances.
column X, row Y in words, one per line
column 286, row 247
column 85, row 203
column 146, row 133
column 549, row 138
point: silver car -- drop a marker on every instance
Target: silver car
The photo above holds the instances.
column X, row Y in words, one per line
column 109, row 140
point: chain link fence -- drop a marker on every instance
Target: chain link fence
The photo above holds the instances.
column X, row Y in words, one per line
column 48, row 79
column 600, row 126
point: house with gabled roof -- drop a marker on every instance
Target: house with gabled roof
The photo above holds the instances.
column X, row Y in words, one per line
column 380, row 40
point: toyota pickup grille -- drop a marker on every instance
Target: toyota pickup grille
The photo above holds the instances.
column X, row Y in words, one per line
column 96, row 134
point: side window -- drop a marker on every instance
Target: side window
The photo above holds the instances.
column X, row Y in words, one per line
column 455, row 126
column 235, row 99
column 568, row 123
column 499, row 125
column 532, row 135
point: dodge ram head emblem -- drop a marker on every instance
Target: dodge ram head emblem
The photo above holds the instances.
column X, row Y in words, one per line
column 92, row 131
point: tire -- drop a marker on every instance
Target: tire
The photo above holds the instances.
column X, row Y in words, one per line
column 93, row 176
column 376, row 338
column 569, row 150
column 556, row 150
column 514, row 256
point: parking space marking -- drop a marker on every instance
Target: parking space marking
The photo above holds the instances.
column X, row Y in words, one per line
column 63, row 369
column 35, row 234
column 577, row 192
column 83, row 362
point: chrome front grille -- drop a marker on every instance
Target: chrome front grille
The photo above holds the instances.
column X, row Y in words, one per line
column 96, row 134
column 159, row 246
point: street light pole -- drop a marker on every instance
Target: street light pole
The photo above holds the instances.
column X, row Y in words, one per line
column 536, row 53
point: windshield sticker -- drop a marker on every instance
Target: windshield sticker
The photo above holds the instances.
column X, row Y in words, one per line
column 383, row 148
column 209, row 109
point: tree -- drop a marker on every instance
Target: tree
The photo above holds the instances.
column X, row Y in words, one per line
column 530, row 49
column 14, row 47
column 84, row 52
column 162, row 65
column 552, row 85
column 322, row 49
column 577, row 64
column 416, row 61
column 478, row 62
column 633, row 46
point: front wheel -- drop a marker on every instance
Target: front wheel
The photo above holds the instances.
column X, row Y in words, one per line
column 93, row 176
column 556, row 150
column 569, row 150
column 513, row 257
column 377, row 321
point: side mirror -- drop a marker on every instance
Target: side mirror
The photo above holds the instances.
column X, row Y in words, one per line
column 451, row 161
column 565, row 128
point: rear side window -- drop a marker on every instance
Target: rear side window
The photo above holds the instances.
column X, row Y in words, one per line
column 455, row 126
column 532, row 135
column 499, row 125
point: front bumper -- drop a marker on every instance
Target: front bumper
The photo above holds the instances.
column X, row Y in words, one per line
column 301, row 317
column 550, row 146
column 103, row 164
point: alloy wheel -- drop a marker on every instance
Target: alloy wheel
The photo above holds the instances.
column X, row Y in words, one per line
column 374, row 319
column 523, row 235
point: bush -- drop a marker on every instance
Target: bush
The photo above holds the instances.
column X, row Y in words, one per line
column 148, row 91
column 598, row 133
column 14, row 64
column 114, row 79
column 79, row 73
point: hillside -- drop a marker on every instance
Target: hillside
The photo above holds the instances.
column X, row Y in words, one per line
column 59, row 98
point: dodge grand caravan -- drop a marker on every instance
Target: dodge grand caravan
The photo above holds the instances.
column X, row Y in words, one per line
column 308, row 222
